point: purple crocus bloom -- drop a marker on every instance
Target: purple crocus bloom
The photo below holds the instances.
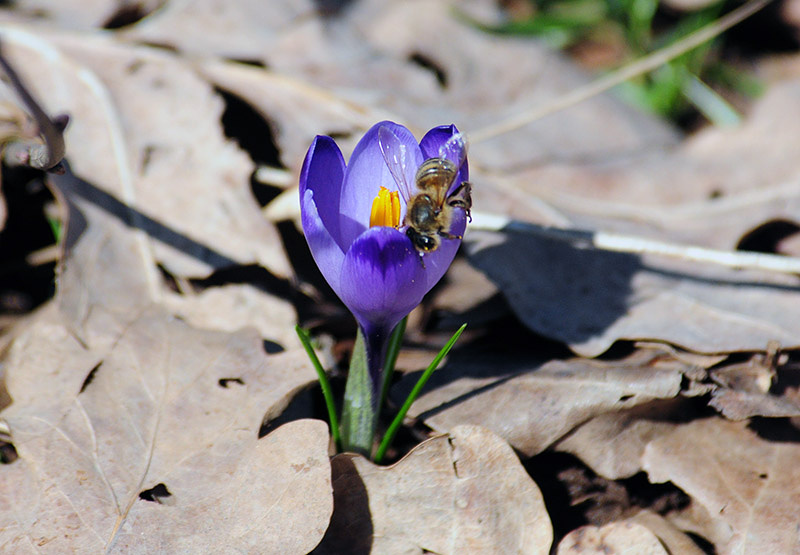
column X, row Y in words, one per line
column 376, row 271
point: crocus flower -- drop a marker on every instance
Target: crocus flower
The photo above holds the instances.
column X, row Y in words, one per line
column 352, row 218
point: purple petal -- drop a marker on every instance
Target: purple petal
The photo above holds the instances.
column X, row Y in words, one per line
column 382, row 278
column 366, row 173
column 323, row 173
column 432, row 142
column 326, row 252
column 435, row 138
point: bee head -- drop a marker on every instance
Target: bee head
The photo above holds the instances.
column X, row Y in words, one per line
column 421, row 242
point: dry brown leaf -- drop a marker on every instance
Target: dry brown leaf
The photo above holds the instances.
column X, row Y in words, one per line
column 146, row 130
column 534, row 405
column 590, row 299
column 698, row 360
column 297, row 110
column 322, row 63
column 710, row 190
column 673, row 539
column 125, row 417
column 272, row 499
column 612, row 444
column 748, row 484
column 243, row 30
column 740, row 405
column 374, row 56
column 742, row 389
column 754, row 376
column 464, row 288
column 695, row 519
column 82, row 14
column 380, row 60
column 167, row 405
column 59, row 363
column 503, row 76
column 611, row 539
column 233, row 307
column 275, row 499
column 466, row 493
column 107, row 277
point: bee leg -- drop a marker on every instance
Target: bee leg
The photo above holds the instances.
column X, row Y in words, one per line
column 461, row 197
column 447, row 235
column 422, row 260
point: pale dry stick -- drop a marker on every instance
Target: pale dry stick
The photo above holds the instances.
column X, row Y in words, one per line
column 275, row 177
column 640, row 66
column 45, row 255
column 741, row 260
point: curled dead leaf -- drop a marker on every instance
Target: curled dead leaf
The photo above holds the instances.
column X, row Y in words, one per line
column 747, row 484
column 154, row 429
column 611, row 539
column 466, row 493
column 535, row 404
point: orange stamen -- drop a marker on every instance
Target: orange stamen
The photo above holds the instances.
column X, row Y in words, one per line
column 385, row 209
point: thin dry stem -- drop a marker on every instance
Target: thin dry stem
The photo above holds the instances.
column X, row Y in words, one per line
column 741, row 260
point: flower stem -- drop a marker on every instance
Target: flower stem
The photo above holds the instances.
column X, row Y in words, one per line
column 392, row 352
column 360, row 411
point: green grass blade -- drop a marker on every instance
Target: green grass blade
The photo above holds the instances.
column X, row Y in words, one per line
column 710, row 104
column 56, row 228
column 327, row 392
column 398, row 420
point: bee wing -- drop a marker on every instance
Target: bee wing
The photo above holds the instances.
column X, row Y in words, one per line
column 455, row 149
column 397, row 159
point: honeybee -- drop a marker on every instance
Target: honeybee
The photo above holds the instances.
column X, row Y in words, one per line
column 429, row 208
